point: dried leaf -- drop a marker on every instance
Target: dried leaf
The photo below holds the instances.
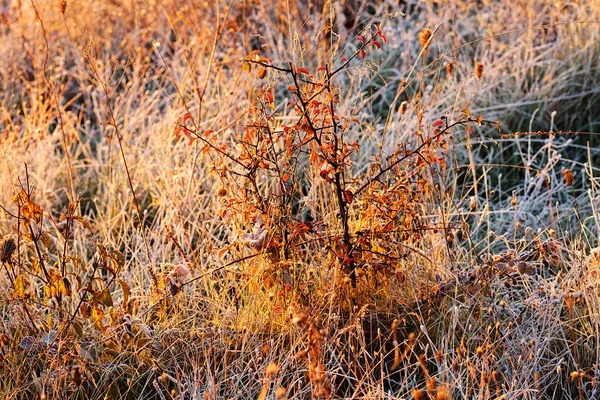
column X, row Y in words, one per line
column 126, row 290
column 78, row 328
column 48, row 338
column 106, row 297
column 252, row 54
column 85, row 310
column 64, row 286
column 98, row 317
column 27, row 343
column 348, row 196
column 117, row 258
column 262, row 72
column 21, row 283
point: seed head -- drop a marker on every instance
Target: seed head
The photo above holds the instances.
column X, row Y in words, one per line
column 424, row 37
column 271, row 370
column 442, row 394
column 62, row 6
column 419, row 394
column 403, row 107
column 450, row 68
column 478, row 70
column 479, row 351
column 568, row 175
column 7, row 248
column 472, row 203
column 280, row 393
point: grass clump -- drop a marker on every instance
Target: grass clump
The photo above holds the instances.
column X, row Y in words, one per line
column 281, row 200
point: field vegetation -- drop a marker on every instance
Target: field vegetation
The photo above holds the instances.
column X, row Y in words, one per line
column 290, row 199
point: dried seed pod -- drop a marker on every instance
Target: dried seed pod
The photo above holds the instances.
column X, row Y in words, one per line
column 472, row 203
column 513, row 200
column 7, row 248
column 442, row 394
column 478, row 70
column 271, row 370
column 164, row 379
column 419, row 394
column 280, row 393
column 479, row 351
column 424, row 37
column 403, row 107
column 450, row 68
column 568, row 175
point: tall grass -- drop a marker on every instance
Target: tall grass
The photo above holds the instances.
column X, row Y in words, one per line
column 128, row 263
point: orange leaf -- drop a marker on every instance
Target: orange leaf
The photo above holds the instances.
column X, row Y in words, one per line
column 262, row 72
column 321, row 68
column 348, row 196
column 288, row 144
column 252, row 54
column 302, row 71
column 222, row 252
column 314, row 156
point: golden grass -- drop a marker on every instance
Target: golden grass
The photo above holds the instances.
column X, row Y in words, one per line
column 134, row 263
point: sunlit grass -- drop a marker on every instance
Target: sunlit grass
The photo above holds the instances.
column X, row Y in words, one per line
column 133, row 265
